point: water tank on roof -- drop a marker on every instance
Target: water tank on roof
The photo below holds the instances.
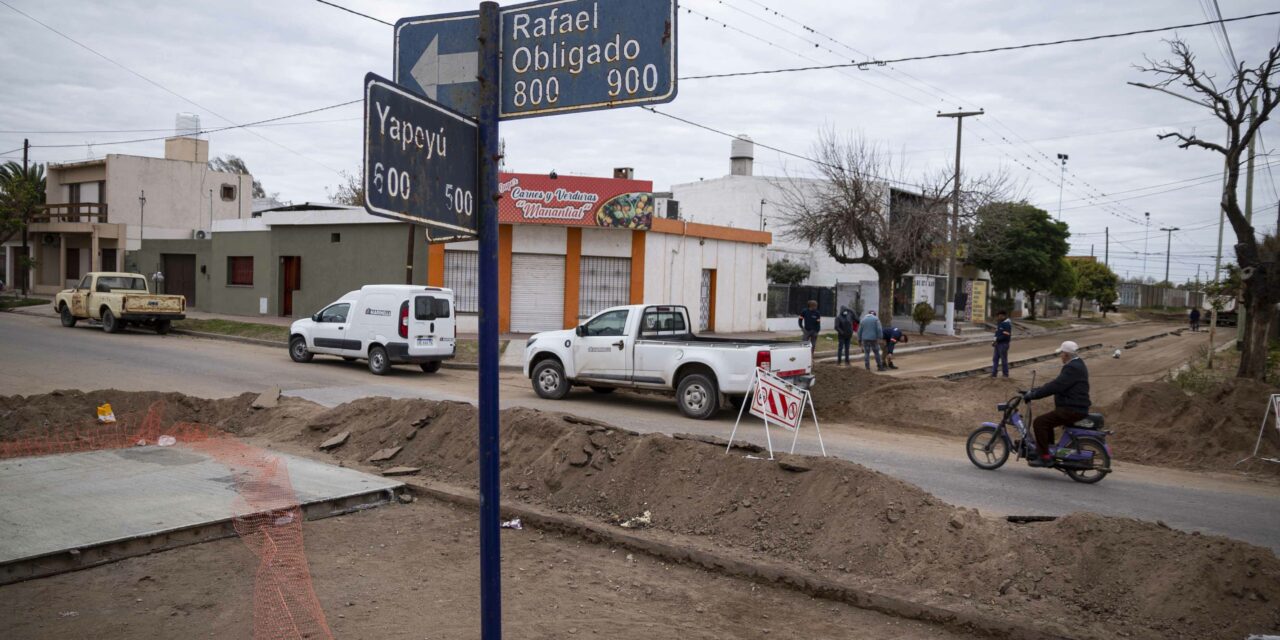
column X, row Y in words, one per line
column 187, row 125
column 742, row 155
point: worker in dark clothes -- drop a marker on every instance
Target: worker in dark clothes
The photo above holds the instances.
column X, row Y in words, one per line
column 1000, row 348
column 892, row 336
column 810, row 321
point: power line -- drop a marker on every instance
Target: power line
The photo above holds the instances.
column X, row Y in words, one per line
column 87, row 131
column 157, row 84
column 362, row 15
column 955, row 54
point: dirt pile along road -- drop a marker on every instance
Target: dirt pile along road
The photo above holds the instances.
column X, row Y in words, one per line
column 1158, row 423
column 1085, row 575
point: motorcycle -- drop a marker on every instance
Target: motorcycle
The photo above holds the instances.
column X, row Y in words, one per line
column 1082, row 452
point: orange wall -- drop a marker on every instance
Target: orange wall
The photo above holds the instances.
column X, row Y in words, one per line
column 435, row 265
column 572, row 274
column 504, row 278
column 637, row 267
column 711, row 232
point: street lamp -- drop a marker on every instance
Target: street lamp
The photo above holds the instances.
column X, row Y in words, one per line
column 1062, row 175
column 1145, row 239
column 142, row 216
column 1168, row 249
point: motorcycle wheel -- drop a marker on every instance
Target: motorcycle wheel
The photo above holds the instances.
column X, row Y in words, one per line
column 987, row 449
column 1101, row 464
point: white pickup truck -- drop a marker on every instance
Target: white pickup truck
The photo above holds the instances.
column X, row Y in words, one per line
column 651, row 347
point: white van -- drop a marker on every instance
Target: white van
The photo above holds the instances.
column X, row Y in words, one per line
column 385, row 324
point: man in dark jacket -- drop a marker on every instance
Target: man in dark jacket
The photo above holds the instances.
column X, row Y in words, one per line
column 1070, row 391
column 810, row 321
column 892, row 336
column 1194, row 317
column 846, row 324
column 1000, row 348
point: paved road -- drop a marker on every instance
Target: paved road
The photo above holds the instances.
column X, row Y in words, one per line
column 39, row 356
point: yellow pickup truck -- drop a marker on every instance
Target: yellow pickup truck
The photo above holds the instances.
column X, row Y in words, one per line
column 118, row 300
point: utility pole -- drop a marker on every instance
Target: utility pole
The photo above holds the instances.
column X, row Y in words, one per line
column 955, row 221
column 1168, row 248
column 1145, row 240
column 762, row 203
column 1062, row 176
column 25, row 266
column 408, row 256
column 1106, row 254
column 142, row 216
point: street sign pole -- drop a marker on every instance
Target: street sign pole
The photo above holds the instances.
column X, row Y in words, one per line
column 490, row 540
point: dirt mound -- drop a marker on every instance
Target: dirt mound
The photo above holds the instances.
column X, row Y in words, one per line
column 853, row 394
column 32, row 416
column 1090, row 576
column 1158, row 423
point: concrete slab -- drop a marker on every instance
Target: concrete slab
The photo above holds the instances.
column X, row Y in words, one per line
column 67, row 511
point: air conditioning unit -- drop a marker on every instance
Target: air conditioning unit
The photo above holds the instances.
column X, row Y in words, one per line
column 200, row 234
column 49, row 239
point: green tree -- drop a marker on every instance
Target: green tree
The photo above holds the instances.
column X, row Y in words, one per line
column 1063, row 284
column 1095, row 282
column 21, row 194
column 787, row 272
column 1021, row 247
column 922, row 314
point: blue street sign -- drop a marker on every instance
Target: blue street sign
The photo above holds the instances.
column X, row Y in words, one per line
column 419, row 161
column 558, row 56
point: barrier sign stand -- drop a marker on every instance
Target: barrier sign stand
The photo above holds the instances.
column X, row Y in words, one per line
column 777, row 401
column 1273, row 407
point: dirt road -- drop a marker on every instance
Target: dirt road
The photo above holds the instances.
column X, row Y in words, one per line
column 41, row 356
column 410, row 571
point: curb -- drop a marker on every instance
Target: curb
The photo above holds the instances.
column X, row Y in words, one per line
column 730, row 564
column 825, row 355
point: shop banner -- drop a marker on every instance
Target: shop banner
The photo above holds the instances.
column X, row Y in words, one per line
column 575, row 201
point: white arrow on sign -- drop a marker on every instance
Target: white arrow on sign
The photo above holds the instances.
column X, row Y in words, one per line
column 433, row 70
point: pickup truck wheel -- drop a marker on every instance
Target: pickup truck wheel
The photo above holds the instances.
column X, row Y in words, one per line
column 65, row 316
column 430, row 367
column 298, row 350
column 379, row 363
column 604, row 390
column 698, row 396
column 163, row 326
column 549, row 381
column 109, row 322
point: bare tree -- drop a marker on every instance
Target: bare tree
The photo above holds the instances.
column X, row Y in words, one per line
column 234, row 164
column 350, row 191
column 1231, row 104
column 855, row 214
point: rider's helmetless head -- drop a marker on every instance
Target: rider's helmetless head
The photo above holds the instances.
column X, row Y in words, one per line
column 1067, row 351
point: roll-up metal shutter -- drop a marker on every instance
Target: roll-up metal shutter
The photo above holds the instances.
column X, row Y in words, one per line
column 537, row 293
column 603, row 283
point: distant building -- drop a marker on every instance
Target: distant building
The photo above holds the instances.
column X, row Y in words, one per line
column 95, row 216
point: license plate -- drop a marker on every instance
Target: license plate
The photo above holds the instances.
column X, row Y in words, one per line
column 425, row 341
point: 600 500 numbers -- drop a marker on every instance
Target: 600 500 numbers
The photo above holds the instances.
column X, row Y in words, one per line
column 391, row 181
column 459, row 200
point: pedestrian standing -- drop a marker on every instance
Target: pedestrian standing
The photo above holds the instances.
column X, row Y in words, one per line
column 1195, row 319
column 1004, row 334
column 811, row 323
column 869, row 334
column 892, row 336
column 845, row 323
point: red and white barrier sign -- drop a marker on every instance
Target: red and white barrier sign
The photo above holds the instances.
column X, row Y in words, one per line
column 778, row 401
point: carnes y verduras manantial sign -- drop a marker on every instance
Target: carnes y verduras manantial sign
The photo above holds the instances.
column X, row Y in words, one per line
column 575, row 201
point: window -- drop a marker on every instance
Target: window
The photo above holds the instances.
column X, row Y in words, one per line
column 612, row 323
column 335, row 237
column 84, row 284
column 429, row 308
column 662, row 321
column 461, row 270
column 112, row 283
column 228, row 192
column 240, row 271
column 335, row 312
column 603, row 283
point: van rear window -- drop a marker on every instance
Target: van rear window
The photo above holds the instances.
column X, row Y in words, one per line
column 663, row 322
column 430, row 308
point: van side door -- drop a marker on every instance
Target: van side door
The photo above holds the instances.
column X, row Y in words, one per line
column 329, row 334
column 604, row 349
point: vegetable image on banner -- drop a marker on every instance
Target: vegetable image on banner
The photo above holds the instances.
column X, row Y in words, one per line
column 575, row 201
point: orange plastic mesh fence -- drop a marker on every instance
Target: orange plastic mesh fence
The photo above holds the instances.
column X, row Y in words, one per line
column 268, row 516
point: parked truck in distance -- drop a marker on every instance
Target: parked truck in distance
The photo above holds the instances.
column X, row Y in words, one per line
column 118, row 300
column 651, row 347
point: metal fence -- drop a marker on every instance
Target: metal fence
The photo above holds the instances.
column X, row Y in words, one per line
column 1146, row 296
column 789, row 300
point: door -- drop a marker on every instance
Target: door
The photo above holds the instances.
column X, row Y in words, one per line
column 431, row 326
column 329, row 334
column 290, row 281
column 108, row 261
column 179, row 275
column 80, row 298
column 707, row 304
column 604, row 352
column 73, row 264
column 537, row 293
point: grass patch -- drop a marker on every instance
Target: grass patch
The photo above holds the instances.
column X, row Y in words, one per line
column 13, row 303
column 235, row 328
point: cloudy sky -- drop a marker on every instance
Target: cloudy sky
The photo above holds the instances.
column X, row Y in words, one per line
column 238, row 61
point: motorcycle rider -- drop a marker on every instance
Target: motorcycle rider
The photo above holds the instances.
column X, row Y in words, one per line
column 1070, row 391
